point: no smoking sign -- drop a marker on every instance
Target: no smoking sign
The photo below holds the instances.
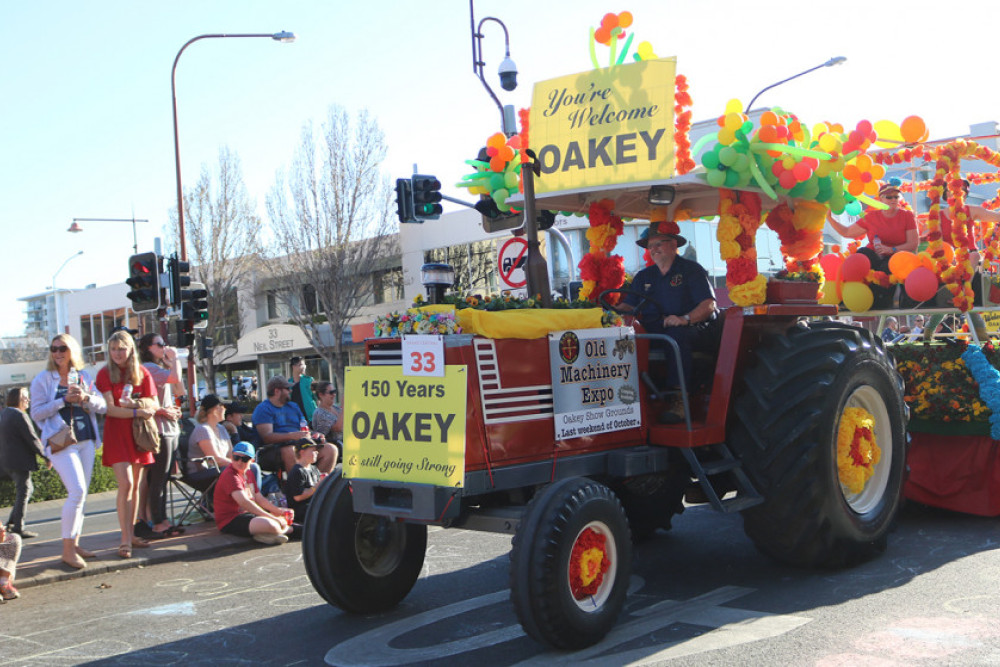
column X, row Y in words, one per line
column 511, row 259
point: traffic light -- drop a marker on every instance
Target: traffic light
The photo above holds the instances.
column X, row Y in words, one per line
column 404, row 200
column 144, row 279
column 426, row 195
column 185, row 334
column 205, row 349
column 180, row 279
column 495, row 220
column 194, row 308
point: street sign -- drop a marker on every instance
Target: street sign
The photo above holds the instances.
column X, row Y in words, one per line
column 510, row 260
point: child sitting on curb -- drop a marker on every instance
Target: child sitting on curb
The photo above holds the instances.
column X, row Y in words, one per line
column 303, row 479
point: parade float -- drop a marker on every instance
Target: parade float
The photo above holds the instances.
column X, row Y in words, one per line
column 544, row 422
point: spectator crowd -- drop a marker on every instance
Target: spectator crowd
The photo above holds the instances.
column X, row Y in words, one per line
column 254, row 479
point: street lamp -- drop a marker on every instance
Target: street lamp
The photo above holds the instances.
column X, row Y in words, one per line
column 75, row 227
column 55, row 295
column 829, row 63
column 535, row 269
column 283, row 36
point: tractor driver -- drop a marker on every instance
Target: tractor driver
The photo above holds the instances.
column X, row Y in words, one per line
column 682, row 290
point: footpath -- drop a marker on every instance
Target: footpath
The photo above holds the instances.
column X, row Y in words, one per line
column 41, row 561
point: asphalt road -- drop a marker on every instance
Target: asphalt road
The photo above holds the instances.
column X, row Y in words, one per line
column 701, row 594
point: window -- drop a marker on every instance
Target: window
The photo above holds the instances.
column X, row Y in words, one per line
column 272, row 305
column 474, row 264
column 388, row 285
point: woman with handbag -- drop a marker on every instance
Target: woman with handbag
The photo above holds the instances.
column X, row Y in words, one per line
column 161, row 362
column 124, row 383
column 64, row 404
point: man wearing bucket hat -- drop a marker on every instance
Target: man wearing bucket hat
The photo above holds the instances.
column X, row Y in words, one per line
column 240, row 509
column 679, row 286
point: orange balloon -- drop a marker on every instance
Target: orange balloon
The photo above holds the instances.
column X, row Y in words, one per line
column 949, row 252
column 902, row 263
column 912, row 128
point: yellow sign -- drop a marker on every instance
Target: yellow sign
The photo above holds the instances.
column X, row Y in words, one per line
column 605, row 127
column 404, row 428
column 992, row 320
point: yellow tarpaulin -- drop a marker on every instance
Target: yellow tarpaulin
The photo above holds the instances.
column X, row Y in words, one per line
column 527, row 323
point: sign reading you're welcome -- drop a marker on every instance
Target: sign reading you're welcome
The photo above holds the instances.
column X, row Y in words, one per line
column 605, row 127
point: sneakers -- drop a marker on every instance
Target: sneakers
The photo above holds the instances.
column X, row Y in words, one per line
column 270, row 538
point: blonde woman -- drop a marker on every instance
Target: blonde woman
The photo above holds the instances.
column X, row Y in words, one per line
column 56, row 401
column 120, row 453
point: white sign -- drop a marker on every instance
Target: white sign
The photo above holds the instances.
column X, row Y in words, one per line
column 595, row 381
column 423, row 355
column 511, row 258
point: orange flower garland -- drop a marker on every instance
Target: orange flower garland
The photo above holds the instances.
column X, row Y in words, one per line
column 682, row 125
column 801, row 235
column 857, row 451
column 588, row 563
column 600, row 270
column 739, row 218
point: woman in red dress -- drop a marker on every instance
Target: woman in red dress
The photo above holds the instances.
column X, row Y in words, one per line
column 120, row 453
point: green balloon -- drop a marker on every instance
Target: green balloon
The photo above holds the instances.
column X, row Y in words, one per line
column 727, row 156
column 710, row 160
column 715, row 178
column 732, row 178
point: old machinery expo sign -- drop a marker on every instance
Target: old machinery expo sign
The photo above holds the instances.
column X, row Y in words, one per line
column 605, row 127
column 595, row 381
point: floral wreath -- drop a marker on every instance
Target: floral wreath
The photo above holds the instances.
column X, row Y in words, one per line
column 857, row 451
column 599, row 269
column 739, row 218
column 588, row 563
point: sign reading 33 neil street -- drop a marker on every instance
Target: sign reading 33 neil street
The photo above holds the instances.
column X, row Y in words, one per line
column 404, row 428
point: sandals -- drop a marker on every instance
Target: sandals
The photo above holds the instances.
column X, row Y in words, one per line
column 143, row 530
column 172, row 531
column 139, row 543
column 8, row 592
column 125, row 551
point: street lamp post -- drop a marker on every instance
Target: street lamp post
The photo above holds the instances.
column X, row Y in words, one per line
column 829, row 63
column 75, row 227
column 55, row 294
column 535, row 268
column 283, row 37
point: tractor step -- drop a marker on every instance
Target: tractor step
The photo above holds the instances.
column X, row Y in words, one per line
column 717, row 461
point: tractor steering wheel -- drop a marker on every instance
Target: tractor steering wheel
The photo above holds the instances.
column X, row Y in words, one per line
column 635, row 312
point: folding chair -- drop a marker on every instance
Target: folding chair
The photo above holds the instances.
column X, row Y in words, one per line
column 195, row 495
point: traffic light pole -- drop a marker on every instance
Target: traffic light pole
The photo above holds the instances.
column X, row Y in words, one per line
column 535, row 268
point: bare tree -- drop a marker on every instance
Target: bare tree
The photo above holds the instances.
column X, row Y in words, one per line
column 333, row 222
column 223, row 238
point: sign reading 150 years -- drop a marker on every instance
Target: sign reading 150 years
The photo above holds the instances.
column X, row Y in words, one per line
column 404, row 428
column 595, row 381
column 605, row 127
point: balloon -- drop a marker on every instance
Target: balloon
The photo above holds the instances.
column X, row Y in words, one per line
column 912, row 129
column 831, row 266
column 787, row 180
column 889, row 135
column 902, row 263
column 715, row 178
column 921, row 284
column 734, row 106
column 710, row 160
column 854, row 208
column 857, row 296
column 828, row 294
column 855, row 268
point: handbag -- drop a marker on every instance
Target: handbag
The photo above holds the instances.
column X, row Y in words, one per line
column 144, row 431
column 62, row 439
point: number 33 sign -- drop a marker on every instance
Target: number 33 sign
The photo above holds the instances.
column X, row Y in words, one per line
column 423, row 355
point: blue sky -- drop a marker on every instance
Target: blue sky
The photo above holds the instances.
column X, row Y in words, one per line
column 85, row 113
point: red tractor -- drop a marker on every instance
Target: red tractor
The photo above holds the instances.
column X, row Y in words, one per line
column 760, row 437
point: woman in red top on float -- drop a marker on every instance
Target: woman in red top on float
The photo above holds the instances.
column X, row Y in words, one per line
column 889, row 231
column 120, row 453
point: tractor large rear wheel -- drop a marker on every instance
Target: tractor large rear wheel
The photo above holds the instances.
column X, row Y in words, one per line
column 788, row 418
column 361, row 563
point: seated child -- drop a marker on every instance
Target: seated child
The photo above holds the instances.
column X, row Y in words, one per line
column 302, row 479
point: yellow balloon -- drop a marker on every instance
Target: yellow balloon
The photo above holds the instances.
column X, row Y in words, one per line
column 858, row 297
column 827, row 142
column 734, row 106
column 726, row 136
column 828, row 293
column 889, row 134
column 733, row 121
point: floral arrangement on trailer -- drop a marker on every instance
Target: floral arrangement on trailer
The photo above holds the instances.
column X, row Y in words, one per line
column 951, row 383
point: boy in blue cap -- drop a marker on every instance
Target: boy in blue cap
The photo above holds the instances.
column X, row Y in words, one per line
column 240, row 509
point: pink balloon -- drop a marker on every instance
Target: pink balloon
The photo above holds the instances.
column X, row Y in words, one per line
column 855, row 268
column 921, row 284
column 831, row 266
column 787, row 180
